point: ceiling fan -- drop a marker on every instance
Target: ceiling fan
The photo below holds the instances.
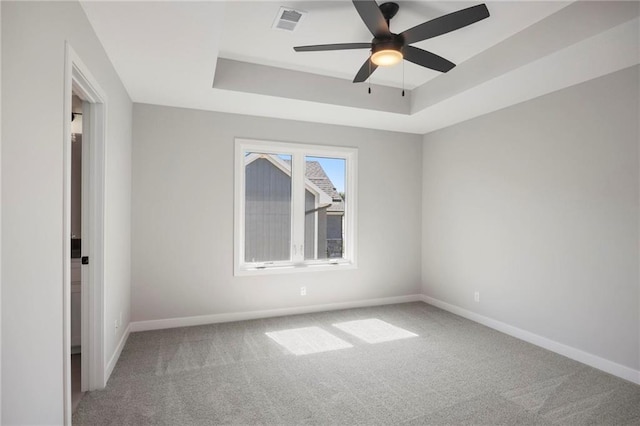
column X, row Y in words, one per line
column 388, row 48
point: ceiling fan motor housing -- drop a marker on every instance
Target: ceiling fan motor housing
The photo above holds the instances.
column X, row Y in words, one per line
column 395, row 42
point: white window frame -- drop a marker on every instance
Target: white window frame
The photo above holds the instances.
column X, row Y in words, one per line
column 298, row 152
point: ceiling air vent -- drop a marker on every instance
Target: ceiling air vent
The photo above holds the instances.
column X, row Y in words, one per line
column 288, row 19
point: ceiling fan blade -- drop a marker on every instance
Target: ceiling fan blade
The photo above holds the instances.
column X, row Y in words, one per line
column 427, row 59
column 339, row 46
column 372, row 17
column 365, row 71
column 446, row 23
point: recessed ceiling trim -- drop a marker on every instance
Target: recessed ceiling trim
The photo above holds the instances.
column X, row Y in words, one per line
column 282, row 83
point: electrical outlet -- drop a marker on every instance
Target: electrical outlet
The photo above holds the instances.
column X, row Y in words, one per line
column 303, row 291
column 476, row 296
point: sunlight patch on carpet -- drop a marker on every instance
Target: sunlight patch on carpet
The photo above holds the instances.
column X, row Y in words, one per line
column 308, row 340
column 374, row 330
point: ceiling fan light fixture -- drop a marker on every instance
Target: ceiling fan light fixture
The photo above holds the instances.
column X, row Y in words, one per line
column 386, row 57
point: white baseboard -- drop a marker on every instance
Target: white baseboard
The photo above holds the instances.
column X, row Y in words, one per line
column 116, row 354
column 594, row 361
column 241, row 316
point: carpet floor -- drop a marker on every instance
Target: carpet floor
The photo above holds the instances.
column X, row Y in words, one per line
column 409, row 363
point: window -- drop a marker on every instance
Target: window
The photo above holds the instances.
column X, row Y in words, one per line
column 295, row 207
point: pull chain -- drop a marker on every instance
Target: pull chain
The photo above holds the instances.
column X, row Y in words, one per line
column 402, row 77
column 369, row 73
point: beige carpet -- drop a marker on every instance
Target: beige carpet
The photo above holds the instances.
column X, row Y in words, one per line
column 408, row 363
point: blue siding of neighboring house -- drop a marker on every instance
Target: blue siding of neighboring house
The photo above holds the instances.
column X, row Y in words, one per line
column 267, row 212
column 334, row 235
column 309, row 225
column 313, row 215
column 322, row 231
column 334, row 227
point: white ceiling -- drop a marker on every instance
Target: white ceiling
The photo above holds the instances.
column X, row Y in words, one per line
column 166, row 53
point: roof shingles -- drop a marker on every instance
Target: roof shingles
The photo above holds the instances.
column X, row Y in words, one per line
column 316, row 175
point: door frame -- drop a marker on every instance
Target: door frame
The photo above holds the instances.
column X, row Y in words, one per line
column 79, row 80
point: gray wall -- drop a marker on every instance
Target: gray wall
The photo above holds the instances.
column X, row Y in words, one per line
column 536, row 207
column 33, row 40
column 182, row 215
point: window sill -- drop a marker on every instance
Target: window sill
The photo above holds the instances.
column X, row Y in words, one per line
column 293, row 268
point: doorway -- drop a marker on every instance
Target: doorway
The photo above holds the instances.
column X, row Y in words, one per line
column 77, row 237
column 83, row 234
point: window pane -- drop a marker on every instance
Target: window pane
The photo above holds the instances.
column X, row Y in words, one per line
column 267, row 207
column 324, row 207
